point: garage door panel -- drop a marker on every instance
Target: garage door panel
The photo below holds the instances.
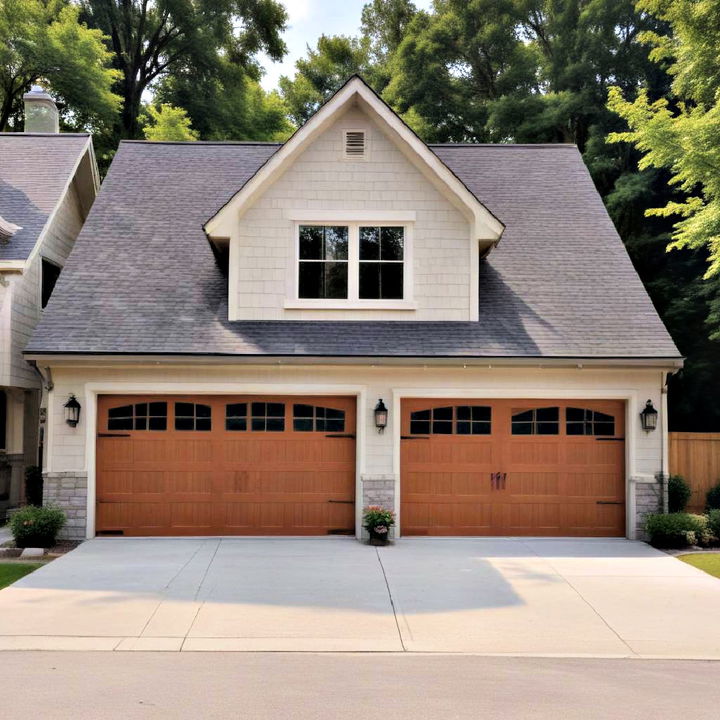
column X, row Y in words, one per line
column 217, row 481
column 514, row 479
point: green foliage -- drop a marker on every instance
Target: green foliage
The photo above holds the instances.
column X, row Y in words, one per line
column 714, row 523
column 43, row 41
column 679, row 493
column 33, row 526
column 168, row 123
column 677, row 530
column 713, row 498
column 152, row 41
column 376, row 515
column 33, row 485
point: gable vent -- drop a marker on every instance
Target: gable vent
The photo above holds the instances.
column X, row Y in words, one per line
column 355, row 144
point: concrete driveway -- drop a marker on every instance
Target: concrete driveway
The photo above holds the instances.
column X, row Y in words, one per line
column 599, row 598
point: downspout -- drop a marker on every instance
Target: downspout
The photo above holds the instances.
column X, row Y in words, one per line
column 663, row 430
column 46, row 385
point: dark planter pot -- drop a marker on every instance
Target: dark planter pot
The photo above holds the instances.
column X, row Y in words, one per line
column 378, row 538
column 37, row 541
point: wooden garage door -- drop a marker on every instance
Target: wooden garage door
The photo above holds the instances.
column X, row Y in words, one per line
column 225, row 465
column 513, row 467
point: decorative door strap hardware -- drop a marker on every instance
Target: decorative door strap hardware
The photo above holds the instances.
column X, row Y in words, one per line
column 344, row 502
column 609, row 502
column 498, row 480
column 341, row 435
column 113, row 434
column 414, row 437
column 609, row 439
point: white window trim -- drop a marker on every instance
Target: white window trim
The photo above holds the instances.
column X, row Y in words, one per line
column 353, row 301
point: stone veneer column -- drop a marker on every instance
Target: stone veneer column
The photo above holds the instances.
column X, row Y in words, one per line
column 650, row 497
column 378, row 490
column 68, row 490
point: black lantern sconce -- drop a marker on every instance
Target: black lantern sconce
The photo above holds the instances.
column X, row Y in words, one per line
column 72, row 411
column 649, row 417
column 381, row 416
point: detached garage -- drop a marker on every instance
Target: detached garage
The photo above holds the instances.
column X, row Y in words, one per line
column 234, row 465
column 513, row 467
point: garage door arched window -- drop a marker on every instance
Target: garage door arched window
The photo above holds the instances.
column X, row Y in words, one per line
column 140, row 416
column 536, row 421
column 452, row 420
column 314, row 418
column 192, row 416
column 581, row 421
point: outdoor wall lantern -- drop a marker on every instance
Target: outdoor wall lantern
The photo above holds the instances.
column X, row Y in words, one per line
column 72, row 411
column 649, row 417
column 381, row 416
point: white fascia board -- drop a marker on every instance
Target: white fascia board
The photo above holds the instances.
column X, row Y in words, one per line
column 486, row 226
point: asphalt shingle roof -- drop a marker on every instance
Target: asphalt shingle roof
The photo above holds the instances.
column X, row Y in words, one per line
column 143, row 279
column 34, row 170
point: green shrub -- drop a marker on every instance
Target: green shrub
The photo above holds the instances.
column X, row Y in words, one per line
column 713, row 498
column 678, row 494
column 714, row 523
column 677, row 530
column 33, row 485
column 33, row 526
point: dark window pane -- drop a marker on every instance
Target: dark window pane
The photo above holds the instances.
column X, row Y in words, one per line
column 419, row 427
column 550, row 413
column 236, row 410
column 158, row 423
column 575, row 414
column 391, row 281
column 334, row 425
column 463, row 412
column 275, row 424
column 141, row 423
column 184, row 409
column 335, row 280
column 121, row 412
column 120, row 423
column 391, row 246
column 305, row 411
column 602, row 417
column 311, row 280
column 336, row 243
column 311, row 242
column 463, row 427
column 369, row 281
column 141, row 409
column 184, row 423
column 302, row 424
column 369, row 243
column 202, row 423
column 603, row 428
column 258, row 424
column 481, row 412
column 276, row 409
column 522, row 428
column 258, row 409
column 547, row 428
column 323, row 280
column 442, row 413
column 420, row 415
column 202, row 411
column 331, row 413
column 442, row 427
column 575, row 428
column 526, row 416
column 481, row 428
column 236, row 423
column 158, row 409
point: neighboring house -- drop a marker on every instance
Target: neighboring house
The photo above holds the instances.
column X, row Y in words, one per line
column 48, row 181
column 233, row 314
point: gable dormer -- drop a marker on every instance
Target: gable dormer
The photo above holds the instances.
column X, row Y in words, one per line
column 354, row 218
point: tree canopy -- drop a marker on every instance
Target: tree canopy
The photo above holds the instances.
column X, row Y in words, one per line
column 168, row 123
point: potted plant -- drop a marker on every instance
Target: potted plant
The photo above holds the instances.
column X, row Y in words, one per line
column 378, row 520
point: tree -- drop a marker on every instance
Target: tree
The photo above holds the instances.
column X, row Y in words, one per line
column 151, row 39
column 168, row 123
column 44, row 41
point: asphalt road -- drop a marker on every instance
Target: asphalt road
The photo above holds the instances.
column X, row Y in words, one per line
column 258, row 686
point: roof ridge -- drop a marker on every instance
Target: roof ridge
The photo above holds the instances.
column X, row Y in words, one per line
column 45, row 135
column 546, row 146
column 190, row 143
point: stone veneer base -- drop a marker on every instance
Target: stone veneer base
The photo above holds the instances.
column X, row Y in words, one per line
column 68, row 490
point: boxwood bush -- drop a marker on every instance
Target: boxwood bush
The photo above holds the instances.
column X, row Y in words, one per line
column 678, row 494
column 713, row 498
column 677, row 530
column 34, row 526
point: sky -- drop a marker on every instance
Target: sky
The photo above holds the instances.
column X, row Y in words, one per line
column 308, row 19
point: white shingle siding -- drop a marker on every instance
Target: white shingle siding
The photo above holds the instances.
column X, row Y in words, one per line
column 322, row 179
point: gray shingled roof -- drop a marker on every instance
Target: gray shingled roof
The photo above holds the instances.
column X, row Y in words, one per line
column 34, row 169
column 142, row 277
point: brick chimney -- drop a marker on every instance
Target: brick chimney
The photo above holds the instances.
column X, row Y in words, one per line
column 41, row 113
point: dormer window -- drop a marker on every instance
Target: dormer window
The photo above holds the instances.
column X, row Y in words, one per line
column 355, row 262
column 355, row 144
